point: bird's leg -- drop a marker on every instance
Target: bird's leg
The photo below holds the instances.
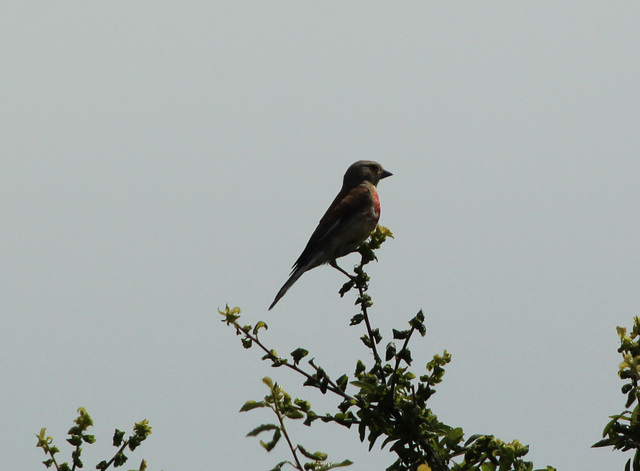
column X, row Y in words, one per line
column 335, row 265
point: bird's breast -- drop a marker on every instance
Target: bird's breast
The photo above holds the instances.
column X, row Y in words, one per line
column 375, row 207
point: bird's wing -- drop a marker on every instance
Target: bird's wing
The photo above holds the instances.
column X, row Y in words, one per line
column 343, row 208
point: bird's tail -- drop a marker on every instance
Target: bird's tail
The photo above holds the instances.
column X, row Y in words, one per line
column 297, row 273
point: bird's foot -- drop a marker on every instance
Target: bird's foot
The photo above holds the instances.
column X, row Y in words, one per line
column 335, row 265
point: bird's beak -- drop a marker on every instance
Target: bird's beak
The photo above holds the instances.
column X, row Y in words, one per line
column 385, row 174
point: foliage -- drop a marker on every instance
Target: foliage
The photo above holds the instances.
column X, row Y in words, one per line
column 280, row 403
column 623, row 430
column 77, row 436
column 385, row 401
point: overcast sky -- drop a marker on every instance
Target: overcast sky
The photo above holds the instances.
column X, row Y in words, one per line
column 161, row 159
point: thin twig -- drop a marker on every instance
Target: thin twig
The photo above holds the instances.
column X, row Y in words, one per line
column 333, row 387
column 365, row 313
column 362, row 289
column 394, row 377
column 110, row 462
column 284, row 430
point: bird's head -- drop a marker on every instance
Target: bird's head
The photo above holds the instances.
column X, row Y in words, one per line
column 364, row 171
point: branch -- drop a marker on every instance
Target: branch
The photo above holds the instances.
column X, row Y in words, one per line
column 277, row 361
column 284, row 430
column 364, row 300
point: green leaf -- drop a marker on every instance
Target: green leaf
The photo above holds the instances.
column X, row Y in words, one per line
column 472, row 439
column 120, row 459
column 346, row 288
column 342, row 382
column 272, row 355
column 311, row 416
column 268, row 381
column 235, row 310
column 636, row 461
column 454, row 436
column 294, row 414
column 77, row 462
column 302, row 404
column 311, row 382
column 250, row 405
column 614, row 420
column 418, row 323
column 405, row 355
column 279, row 466
column 364, row 386
column 276, row 362
column 366, row 341
column 118, row 436
column 142, row 429
column 383, row 232
column 134, row 442
column 346, row 419
column 391, row 351
column 373, row 437
column 274, row 441
column 327, row 466
column 75, row 440
column 317, row 456
column 298, row 354
column 258, row 326
column 362, row 430
column 400, row 334
column 631, row 398
column 262, row 428
column 42, row 440
column 605, row 442
column 84, row 420
column 230, row 315
column 364, row 300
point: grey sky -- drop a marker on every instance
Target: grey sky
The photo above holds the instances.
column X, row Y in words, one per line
column 161, row 160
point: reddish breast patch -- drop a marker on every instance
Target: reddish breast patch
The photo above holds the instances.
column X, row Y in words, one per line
column 376, row 206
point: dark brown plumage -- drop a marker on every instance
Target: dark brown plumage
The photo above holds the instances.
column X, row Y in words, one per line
column 351, row 217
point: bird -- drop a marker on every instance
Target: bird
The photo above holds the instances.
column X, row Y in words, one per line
column 350, row 219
